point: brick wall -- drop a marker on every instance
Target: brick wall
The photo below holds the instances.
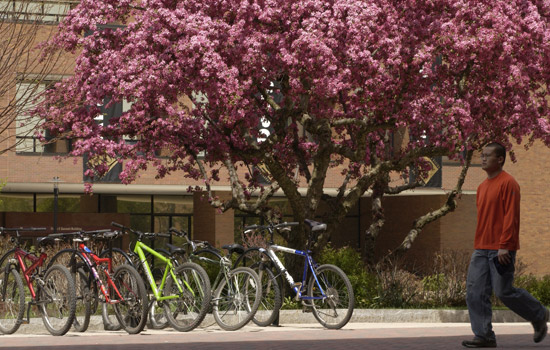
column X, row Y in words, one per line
column 532, row 171
column 211, row 225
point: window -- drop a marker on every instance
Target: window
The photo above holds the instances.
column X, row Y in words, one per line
column 66, row 203
column 26, row 126
column 17, row 203
column 155, row 213
column 52, row 11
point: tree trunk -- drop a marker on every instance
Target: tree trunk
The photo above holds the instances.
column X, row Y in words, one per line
column 378, row 220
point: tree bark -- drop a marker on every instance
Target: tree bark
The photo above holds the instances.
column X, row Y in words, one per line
column 449, row 206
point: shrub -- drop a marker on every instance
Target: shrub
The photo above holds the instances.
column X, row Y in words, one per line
column 397, row 288
column 365, row 285
column 538, row 287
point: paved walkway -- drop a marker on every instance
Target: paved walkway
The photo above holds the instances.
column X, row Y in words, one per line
column 358, row 335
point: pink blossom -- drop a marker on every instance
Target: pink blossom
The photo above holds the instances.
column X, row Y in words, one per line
column 342, row 74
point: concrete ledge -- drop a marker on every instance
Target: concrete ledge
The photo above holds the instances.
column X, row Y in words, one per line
column 430, row 316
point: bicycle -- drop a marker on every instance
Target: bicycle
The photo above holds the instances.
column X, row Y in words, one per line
column 183, row 292
column 52, row 290
column 98, row 281
column 325, row 289
column 237, row 291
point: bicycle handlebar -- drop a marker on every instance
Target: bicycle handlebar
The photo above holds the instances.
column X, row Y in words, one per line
column 104, row 233
column 271, row 226
column 139, row 233
column 21, row 229
column 179, row 233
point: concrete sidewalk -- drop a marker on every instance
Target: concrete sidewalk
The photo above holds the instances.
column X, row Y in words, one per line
column 355, row 335
column 363, row 316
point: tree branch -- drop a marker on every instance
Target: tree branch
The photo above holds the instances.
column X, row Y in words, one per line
column 449, row 206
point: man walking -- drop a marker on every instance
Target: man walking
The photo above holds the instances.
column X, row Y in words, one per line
column 492, row 264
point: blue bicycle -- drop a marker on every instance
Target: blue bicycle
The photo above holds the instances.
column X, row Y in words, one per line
column 325, row 289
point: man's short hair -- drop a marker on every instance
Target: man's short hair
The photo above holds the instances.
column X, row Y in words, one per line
column 500, row 150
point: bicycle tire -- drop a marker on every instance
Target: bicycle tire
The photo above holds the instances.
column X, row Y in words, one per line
column 336, row 310
column 209, row 260
column 110, row 321
column 4, row 260
column 188, row 311
column 131, row 311
column 79, row 269
column 57, row 300
column 237, row 298
column 179, row 257
column 119, row 257
column 156, row 318
column 12, row 301
column 272, row 295
column 84, row 300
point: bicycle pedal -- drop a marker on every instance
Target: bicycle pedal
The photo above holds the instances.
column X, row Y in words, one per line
column 25, row 322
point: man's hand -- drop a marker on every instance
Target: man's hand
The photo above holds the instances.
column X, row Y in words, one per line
column 504, row 257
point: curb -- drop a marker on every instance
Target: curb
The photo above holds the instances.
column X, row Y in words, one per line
column 359, row 316
column 403, row 315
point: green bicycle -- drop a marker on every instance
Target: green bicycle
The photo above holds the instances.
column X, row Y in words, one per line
column 237, row 291
column 183, row 292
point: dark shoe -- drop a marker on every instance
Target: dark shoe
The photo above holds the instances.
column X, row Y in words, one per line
column 541, row 328
column 480, row 343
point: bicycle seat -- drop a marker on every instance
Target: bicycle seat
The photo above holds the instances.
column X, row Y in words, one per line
column 45, row 240
column 315, row 225
column 172, row 248
column 234, row 248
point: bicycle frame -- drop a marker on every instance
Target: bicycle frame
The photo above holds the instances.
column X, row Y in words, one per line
column 139, row 249
column 21, row 255
column 87, row 254
column 225, row 266
column 309, row 265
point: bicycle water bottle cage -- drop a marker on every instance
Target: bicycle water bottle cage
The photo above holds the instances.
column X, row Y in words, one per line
column 315, row 225
column 234, row 248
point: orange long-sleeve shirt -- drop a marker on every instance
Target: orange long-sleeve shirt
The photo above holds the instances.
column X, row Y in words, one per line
column 498, row 201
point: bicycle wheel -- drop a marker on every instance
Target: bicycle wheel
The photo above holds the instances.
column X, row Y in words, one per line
column 237, row 298
column 336, row 309
column 110, row 321
column 12, row 301
column 188, row 310
column 57, row 300
column 131, row 309
column 84, row 300
column 156, row 318
column 5, row 259
column 119, row 257
column 272, row 297
column 179, row 257
column 86, row 291
column 209, row 260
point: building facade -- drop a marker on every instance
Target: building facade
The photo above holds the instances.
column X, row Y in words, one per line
column 42, row 188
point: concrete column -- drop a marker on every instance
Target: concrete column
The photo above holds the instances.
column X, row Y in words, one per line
column 209, row 224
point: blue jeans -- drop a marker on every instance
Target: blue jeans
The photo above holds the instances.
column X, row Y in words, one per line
column 483, row 278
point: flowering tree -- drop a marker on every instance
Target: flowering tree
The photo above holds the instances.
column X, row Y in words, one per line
column 371, row 87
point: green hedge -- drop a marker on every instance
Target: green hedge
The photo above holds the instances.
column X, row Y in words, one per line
column 390, row 286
